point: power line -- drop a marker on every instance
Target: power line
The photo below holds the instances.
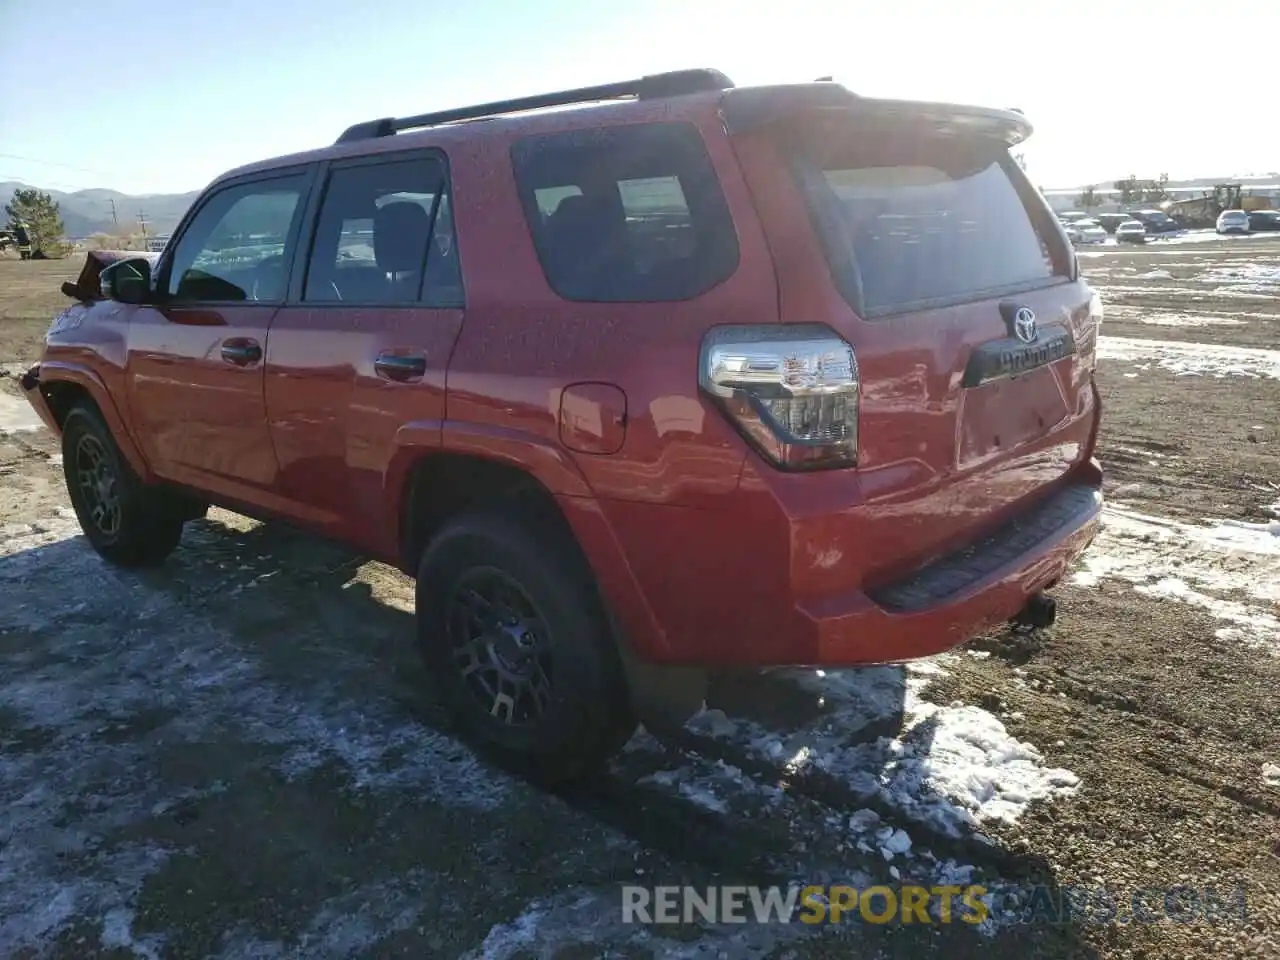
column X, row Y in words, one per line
column 54, row 163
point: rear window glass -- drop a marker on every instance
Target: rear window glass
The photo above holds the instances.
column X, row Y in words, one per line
column 910, row 220
column 625, row 214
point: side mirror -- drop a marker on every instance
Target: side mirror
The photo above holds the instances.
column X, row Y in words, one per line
column 127, row 281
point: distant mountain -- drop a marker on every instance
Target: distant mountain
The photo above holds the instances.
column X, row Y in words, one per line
column 86, row 212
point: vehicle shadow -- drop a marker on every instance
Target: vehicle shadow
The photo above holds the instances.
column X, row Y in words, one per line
column 778, row 764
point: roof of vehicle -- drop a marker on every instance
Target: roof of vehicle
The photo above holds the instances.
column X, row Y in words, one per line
column 665, row 96
column 1233, row 213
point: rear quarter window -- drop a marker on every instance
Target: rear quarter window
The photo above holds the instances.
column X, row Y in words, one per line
column 911, row 221
column 626, row 214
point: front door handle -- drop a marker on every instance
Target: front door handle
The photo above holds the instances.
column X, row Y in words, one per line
column 241, row 352
column 392, row 366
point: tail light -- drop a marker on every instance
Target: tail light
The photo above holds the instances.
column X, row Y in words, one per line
column 791, row 390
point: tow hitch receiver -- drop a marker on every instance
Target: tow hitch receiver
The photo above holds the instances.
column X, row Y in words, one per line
column 1040, row 612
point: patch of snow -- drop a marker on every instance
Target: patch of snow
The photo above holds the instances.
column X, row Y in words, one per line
column 1229, row 568
column 91, row 681
column 1109, row 290
column 1271, row 774
column 1155, row 275
column 347, row 925
column 595, row 917
column 893, row 842
column 1194, row 359
column 1259, row 277
column 950, row 766
column 16, row 415
column 1169, row 318
column 860, row 821
column 117, row 934
column 701, row 792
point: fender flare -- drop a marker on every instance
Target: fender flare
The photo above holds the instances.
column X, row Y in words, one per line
column 558, row 473
column 60, row 371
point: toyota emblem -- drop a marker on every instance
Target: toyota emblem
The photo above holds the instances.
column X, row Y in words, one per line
column 1024, row 325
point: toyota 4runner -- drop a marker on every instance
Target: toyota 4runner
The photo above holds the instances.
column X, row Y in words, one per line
column 678, row 375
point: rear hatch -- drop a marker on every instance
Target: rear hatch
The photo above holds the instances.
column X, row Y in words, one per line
column 946, row 271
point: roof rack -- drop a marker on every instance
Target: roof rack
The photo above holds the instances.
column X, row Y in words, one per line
column 654, row 86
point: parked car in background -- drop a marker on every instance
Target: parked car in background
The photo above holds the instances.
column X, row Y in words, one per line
column 1157, row 222
column 1233, row 221
column 638, row 446
column 1089, row 231
column 1263, row 220
column 1110, row 221
column 1071, row 216
column 1131, row 231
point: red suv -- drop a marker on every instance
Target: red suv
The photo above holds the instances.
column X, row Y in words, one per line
column 683, row 375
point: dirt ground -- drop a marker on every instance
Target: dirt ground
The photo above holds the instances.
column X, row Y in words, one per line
column 237, row 755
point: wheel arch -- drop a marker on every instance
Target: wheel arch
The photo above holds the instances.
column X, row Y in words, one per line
column 440, row 484
column 62, row 386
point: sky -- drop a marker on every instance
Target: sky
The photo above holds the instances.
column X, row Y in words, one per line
column 161, row 97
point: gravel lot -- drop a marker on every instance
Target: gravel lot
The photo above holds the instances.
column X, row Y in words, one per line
column 236, row 756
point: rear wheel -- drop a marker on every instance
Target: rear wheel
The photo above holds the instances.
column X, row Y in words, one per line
column 127, row 522
column 518, row 646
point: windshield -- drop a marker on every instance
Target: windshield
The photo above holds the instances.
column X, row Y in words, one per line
column 910, row 219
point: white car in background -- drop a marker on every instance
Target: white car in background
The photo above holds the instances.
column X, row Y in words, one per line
column 1089, row 231
column 1131, row 231
column 1233, row 221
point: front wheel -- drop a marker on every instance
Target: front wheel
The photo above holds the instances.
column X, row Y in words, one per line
column 128, row 523
column 518, row 646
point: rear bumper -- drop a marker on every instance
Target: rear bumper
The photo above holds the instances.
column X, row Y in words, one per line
column 30, row 383
column 715, row 588
column 957, row 596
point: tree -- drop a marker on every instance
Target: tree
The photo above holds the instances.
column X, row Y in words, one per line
column 40, row 213
column 1129, row 189
column 1088, row 199
column 1157, row 191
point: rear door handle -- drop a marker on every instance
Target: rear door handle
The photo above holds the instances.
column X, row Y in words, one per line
column 241, row 352
column 392, row 366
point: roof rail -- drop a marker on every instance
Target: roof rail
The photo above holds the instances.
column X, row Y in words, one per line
column 653, row 86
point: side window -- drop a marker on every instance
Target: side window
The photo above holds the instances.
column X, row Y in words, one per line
column 237, row 246
column 626, row 214
column 385, row 236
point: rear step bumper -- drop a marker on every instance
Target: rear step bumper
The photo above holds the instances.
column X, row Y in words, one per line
column 958, row 596
column 950, row 577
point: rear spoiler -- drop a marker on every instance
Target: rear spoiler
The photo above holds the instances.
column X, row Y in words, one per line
column 747, row 108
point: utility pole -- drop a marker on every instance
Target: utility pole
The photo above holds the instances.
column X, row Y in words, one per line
column 142, row 222
column 114, row 218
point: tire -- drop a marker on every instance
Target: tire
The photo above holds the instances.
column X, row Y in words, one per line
column 561, row 654
column 128, row 523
